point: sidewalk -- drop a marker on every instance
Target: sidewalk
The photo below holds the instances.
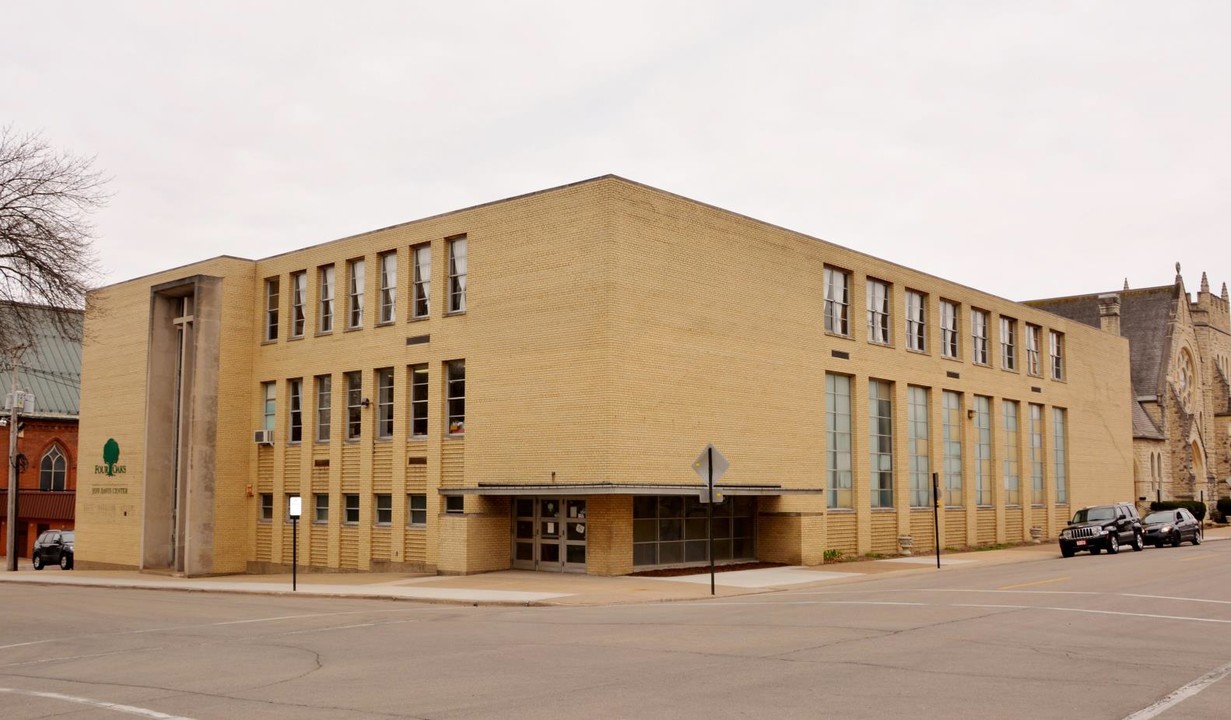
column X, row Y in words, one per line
column 523, row 587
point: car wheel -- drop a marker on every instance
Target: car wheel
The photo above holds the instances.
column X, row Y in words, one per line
column 38, row 561
column 1066, row 552
column 1197, row 538
column 1113, row 544
column 66, row 562
column 1138, row 545
column 1176, row 539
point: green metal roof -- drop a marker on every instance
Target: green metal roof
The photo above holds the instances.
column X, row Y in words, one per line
column 51, row 367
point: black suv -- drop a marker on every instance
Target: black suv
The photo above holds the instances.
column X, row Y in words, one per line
column 1102, row 527
column 54, row 547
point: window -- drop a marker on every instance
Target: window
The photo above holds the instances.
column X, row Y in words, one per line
column 354, row 404
column 418, row 400
column 351, row 508
column 288, row 504
column 299, row 290
column 1012, row 479
column 422, row 255
column 384, row 509
column 271, row 309
column 388, row 286
column 672, row 529
column 983, row 450
column 978, row 336
column 837, row 301
column 456, row 394
column 321, row 508
column 951, row 409
column 455, row 504
column 878, row 312
column 294, row 392
column 457, row 274
column 1036, row 452
column 268, row 392
column 384, row 403
column 1061, row 456
column 52, row 470
column 920, row 462
column 267, row 507
column 324, row 406
column 1008, row 343
column 838, row 439
column 948, row 329
column 1032, row 349
column 1056, row 343
column 416, row 513
column 916, row 321
column 880, row 441
column 354, row 297
column 326, row 299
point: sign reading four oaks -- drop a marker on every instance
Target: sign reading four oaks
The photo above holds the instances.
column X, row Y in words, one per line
column 111, row 456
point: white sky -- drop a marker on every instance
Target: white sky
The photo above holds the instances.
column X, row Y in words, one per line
column 1028, row 149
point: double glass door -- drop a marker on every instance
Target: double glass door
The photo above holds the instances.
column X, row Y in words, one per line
column 549, row 533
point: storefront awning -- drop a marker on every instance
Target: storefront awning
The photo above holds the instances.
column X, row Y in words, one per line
column 624, row 489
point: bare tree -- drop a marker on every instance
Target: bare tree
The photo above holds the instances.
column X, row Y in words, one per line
column 46, row 257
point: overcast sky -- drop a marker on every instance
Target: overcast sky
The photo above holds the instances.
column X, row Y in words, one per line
column 1028, row 149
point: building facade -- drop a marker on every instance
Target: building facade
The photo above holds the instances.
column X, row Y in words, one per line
column 527, row 383
column 49, row 370
column 1180, row 352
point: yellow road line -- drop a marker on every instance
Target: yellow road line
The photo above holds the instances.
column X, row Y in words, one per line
column 1036, row 582
column 1206, row 556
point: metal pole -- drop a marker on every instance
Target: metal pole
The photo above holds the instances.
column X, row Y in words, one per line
column 709, row 513
column 11, row 529
column 936, row 514
column 294, row 552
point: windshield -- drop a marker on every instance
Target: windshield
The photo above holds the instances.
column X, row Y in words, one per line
column 1160, row 517
column 1094, row 514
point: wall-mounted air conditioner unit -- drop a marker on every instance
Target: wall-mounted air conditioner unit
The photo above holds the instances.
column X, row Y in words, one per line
column 263, row 437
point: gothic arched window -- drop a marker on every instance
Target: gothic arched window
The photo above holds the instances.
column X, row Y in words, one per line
column 1186, row 382
column 53, row 470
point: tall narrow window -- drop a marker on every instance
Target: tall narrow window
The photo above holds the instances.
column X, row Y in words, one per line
column 384, row 509
column 1008, row 343
column 920, row 462
column 354, row 296
column 1056, row 341
column 294, row 394
column 455, row 393
column 948, row 329
column 321, row 509
column 350, row 508
column 326, row 298
column 1032, row 349
column 384, row 403
column 837, row 301
column 418, row 400
column 52, row 470
column 417, row 509
column 267, row 507
column 983, row 450
column 422, row 255
column 324, row 406
column 271, row 309
column 916, row 321
column 1036, row 452
column 978, row 336
column 1061, row 455
column 878, row 312
column 268, row 392
column 457, row 274
column 880, row 441
column 354, row 404
column 838, row 439
column 1012, row 477
column 299, row 291
column 388, row 286
column 952, row 417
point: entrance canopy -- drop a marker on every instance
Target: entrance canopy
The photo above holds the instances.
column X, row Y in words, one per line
column 623, row 489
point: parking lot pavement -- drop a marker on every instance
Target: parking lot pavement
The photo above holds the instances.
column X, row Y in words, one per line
column 524, row 587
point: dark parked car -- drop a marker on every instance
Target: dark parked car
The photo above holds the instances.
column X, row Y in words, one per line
column 54, row 547
column 1103, row 527
column 1172, row 527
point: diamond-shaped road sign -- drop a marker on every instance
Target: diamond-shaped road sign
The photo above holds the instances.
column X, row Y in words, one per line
column 702, row 464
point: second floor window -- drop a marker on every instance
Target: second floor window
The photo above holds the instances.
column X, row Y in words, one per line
column 326, row 301
column 1032, row 349
column 456, row 396
column 388, row 286
column 354, row 296
column 418, row 400
column 948, row 329
column 1008, row 343
column 270, row 398
column 354, row 404
column 384, row 403
column 878, row 312
column 294, row 392
column 1056, row 343
column 916, row 321
column 422, row 258
column 457, row 275
column 837, row 301
column 978, row 335
column 299, row 289
column 324, row 406
column 271, row 309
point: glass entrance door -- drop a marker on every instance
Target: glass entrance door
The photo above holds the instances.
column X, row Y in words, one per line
column 549, row 533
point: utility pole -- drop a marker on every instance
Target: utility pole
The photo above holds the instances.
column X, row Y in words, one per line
column 11, row 528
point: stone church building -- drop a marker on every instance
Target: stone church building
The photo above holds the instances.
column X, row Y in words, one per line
column 1180, row 354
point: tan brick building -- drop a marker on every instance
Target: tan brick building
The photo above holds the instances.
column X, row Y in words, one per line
column 527, row 383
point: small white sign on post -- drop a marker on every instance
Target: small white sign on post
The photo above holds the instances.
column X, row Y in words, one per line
column 296, row 506
column 702, row 466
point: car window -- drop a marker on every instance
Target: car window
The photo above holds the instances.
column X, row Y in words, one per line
column 1158, row 517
